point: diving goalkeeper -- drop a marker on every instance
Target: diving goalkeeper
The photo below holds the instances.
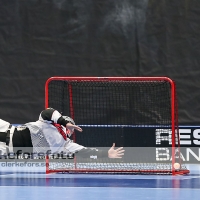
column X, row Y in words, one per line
column 50, row 133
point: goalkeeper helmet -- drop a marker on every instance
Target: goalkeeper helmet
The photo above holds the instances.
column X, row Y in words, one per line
column 69, row 119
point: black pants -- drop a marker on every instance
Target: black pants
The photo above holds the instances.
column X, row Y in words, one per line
column 21, row 140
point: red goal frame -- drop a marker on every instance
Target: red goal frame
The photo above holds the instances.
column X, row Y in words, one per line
column 174, row 115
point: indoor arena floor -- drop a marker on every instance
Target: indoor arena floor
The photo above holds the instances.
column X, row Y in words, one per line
column 38, row 185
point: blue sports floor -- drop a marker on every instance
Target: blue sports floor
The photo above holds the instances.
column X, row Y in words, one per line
column 37, row 185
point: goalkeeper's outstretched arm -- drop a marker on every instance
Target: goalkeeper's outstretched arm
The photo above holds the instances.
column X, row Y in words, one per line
column 51, row 115
column 95, row 153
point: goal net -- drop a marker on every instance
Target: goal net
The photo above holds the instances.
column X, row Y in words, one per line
column 139, row 114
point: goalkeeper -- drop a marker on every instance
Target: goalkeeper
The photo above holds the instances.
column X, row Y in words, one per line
column 50, row 134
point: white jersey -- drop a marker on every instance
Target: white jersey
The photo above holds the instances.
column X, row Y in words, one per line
column 46, row 137
column 4, row 125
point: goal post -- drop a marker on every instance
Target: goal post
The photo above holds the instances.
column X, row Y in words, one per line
column 138, row 113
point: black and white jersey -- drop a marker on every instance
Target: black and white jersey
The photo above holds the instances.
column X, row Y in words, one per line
column 49, row 133
column 45, row 136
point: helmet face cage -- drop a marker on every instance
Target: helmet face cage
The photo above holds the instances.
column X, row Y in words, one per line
column 68, row 132
column 69, row 119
